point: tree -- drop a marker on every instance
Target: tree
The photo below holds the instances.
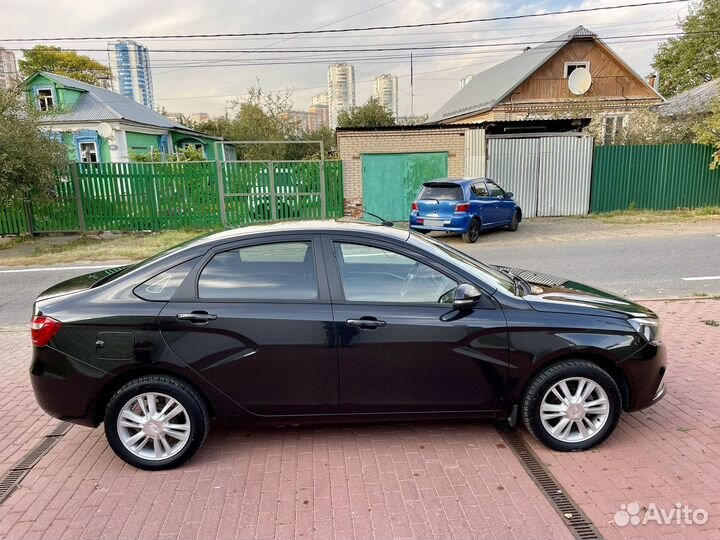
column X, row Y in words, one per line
column 708, row 132
column 693, row 58
column 372, row 114
column 29, row 159
column 66, row 63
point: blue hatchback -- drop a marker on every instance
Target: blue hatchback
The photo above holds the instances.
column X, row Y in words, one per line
column 464, row 205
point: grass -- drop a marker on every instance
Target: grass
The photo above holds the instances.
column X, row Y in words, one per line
column 126, row 247
column 633, row 216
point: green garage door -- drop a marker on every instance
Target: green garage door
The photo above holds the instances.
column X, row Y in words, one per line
column 391, row 181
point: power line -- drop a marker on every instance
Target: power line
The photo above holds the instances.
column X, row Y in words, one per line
column 481, row 44
column 345, row 30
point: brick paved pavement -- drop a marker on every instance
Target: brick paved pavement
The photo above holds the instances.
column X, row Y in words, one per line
column 666, row 454
column 440, row 480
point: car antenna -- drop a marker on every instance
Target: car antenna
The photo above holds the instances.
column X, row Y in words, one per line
column 384, row 222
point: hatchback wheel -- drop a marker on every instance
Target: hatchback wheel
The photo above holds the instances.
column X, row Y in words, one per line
column 156, row 422
column 514, row 222
column 473, row 232
column 572, row 406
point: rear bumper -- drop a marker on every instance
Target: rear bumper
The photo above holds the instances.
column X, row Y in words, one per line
column 65, row 387
column 457, row 224
column 645, row 372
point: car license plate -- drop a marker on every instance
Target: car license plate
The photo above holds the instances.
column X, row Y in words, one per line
column 434, row 222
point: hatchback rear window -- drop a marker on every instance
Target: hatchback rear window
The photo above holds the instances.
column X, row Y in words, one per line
column 442, row 193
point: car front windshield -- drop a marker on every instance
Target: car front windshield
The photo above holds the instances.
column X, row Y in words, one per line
column 487, row 273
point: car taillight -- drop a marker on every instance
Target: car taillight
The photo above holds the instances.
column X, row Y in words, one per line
column 414, row 207
column 462, row 207
column 43, row 329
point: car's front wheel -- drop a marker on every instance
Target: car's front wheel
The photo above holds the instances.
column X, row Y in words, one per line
column 572, row 405
column 156, row 422
column 514, row 222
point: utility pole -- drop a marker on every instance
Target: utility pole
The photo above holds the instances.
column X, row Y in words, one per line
column 412, row 92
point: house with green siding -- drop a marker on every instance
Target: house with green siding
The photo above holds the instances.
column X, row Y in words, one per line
column 100, row 126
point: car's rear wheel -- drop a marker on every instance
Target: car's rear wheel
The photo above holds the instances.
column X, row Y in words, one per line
column 156, row 422
column 473, row 232
column 573, row 405
column 514, row 222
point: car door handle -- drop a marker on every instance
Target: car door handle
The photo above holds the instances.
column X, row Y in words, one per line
column 366, row 323
column 197, row 317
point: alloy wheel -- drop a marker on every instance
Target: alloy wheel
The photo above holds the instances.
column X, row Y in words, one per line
column 153, row 426
column 574, row 409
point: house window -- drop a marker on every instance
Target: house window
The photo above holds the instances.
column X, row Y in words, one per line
column 88, row 152
column 572, row 66
column 613, row 129
column 197, row 146
column 45, row 99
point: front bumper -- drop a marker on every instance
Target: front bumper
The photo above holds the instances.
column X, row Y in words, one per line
column 645, row 373
column 65, row 387
column 455, row 223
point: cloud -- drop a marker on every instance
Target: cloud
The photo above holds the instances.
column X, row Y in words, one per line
column 179, row 87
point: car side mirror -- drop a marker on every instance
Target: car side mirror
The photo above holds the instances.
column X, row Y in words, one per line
column 466, row 296
column 509, row 195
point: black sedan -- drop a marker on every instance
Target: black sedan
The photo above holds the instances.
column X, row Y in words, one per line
column 329, row 322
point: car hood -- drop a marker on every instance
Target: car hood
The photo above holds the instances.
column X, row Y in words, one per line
column 555, row 294
column 79, row 283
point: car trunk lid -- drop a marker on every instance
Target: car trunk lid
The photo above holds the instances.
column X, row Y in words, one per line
column 80, row 283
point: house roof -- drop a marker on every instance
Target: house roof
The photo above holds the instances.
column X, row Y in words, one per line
column 695, row 100
column 99, row 104
column 488, row 88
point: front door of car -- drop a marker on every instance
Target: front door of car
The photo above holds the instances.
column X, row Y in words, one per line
column 255, row 320
column 401, row 348
column 504, row 207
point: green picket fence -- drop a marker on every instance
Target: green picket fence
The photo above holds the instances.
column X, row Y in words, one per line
column 162, row 196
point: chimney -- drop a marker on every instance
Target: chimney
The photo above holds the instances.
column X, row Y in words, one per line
column 652, row 80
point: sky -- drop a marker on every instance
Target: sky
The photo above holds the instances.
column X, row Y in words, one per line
column 188, row 82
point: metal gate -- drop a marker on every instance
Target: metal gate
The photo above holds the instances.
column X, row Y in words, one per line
column 392, row 181
column 549, row 175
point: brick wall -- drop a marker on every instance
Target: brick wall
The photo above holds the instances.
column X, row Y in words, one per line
column 352, row 144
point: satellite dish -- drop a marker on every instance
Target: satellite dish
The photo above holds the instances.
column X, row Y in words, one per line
column 105, row 130
column 579, row 81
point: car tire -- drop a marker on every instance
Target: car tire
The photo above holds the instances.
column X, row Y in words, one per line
column 514, row 222
column 473, row 233
column 558, row 423
column 135, row 425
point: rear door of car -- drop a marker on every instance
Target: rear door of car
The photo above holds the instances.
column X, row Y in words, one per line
column 254, row 319
column 437, row 201
column 401, row 348
column 487, row 206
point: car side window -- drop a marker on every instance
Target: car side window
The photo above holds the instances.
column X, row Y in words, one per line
column 276, row 271
column 480, row 190
column 495, row 190
column 372, row 274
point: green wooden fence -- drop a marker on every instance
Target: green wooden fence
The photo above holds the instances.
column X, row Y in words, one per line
column 161, row 196
column 655, row 177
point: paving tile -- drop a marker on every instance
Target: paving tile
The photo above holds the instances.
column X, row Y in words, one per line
column 435, row 480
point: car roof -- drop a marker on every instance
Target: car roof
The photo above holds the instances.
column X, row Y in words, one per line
column 459, row 181
column 314, row 226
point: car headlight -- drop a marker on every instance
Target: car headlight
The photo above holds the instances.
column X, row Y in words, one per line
column 649, row 329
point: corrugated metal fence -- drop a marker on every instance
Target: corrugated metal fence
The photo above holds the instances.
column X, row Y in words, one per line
column 657, row 177
column 549, row 175
column 160, row 196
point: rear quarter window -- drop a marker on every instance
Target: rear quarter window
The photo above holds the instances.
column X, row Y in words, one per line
column 162, row 287
column 442, row 193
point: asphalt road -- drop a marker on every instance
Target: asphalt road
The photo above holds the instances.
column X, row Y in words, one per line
column 640, row 267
